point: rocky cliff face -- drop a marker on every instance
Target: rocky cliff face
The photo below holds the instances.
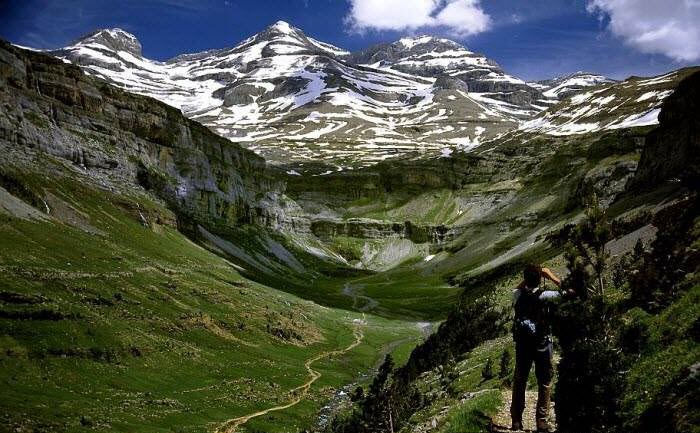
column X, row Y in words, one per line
column 124, row 140
column 374, row 229
column 406, row 177
column 672, row 150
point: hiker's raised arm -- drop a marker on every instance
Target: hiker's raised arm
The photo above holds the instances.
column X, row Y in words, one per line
column 547, row 273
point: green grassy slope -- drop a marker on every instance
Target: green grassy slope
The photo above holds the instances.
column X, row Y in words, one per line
column 496, row 222
column 114, row 322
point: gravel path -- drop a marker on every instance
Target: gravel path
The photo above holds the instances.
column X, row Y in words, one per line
column 501, row 422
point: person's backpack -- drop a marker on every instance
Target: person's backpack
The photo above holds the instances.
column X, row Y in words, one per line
column 528, row 327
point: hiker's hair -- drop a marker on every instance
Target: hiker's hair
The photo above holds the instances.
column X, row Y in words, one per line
column 532, row 275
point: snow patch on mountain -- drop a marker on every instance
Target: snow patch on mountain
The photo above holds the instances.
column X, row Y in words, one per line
column 561, row 87
column 630, row 103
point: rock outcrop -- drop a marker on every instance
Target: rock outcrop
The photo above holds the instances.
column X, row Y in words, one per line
column 672, row 151
column 374, row 229
column 125, row 141
column 569, row 85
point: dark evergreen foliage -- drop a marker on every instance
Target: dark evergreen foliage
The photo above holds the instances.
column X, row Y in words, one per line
column 654, row 284
column 601, row 339
column 587, row 393
column 487, row 371
column 393, row 398
column 590, row 370
column 504, row 368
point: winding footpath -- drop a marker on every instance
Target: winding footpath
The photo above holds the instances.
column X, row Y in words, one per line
column 300, row 391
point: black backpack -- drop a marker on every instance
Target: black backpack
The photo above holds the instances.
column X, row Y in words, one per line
column 530, row 325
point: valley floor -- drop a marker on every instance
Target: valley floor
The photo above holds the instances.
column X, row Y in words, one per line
column 112, row 320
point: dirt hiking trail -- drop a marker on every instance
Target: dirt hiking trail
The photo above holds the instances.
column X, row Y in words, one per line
column 501, row 422
column 300, row 392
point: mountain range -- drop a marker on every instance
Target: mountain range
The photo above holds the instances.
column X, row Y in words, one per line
column 311, row 106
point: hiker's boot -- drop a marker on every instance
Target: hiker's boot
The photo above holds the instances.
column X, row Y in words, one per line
column 542, row 412
column 516, row 425
column 543, row 428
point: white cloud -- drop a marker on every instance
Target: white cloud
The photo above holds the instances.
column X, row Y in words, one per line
column 462, row 17
column 669, row 27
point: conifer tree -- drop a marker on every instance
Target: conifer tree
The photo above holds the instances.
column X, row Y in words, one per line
column 504, row 370
column 589, row 383
column 586, row 254
column 487, row 371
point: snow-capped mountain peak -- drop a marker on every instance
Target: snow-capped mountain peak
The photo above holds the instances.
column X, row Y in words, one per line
column 291, row 98
column 434, row 57
column 282, row 38
column 282, row 27
column 562, row 87
column 280, row 30
column 430, row 42
column 115, row 39
column 411, row 42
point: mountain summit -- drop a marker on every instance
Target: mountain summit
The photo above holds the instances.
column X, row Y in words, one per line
column 282, row 38
column 562, row 87
column 429, row 56
column 115, row 39
column 298, row 100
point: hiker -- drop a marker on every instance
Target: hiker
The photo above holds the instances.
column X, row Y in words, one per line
column 533, row 343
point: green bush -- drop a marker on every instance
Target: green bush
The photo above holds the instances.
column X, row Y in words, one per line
column 631, row 364
column 589, row 383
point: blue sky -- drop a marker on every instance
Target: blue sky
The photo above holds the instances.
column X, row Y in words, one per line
column 532, row 39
